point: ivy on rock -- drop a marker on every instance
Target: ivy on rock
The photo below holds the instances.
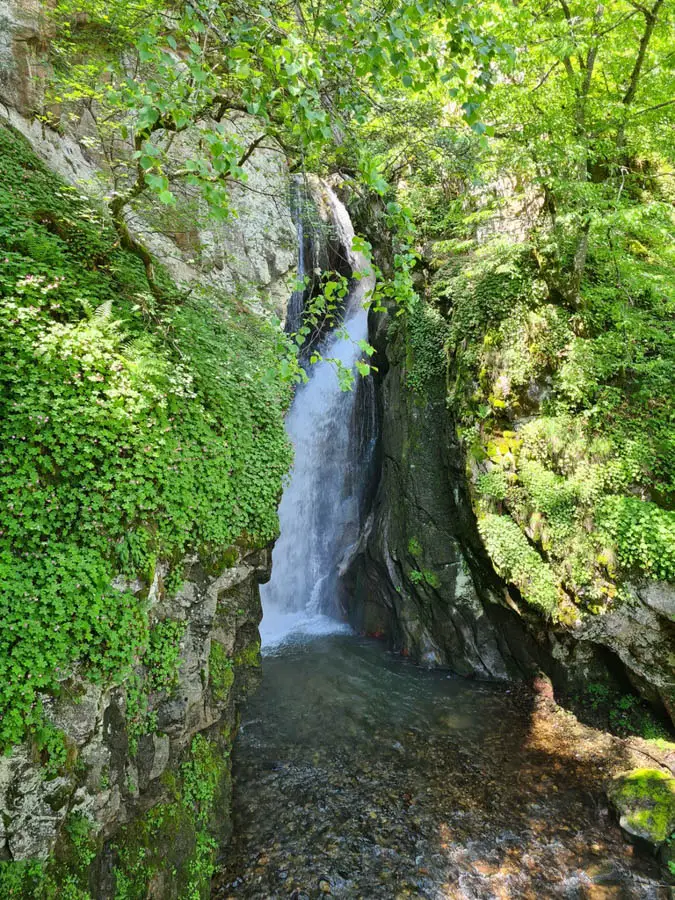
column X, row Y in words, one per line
column 127, row 436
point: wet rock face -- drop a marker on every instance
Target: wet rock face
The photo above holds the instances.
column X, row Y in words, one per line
column 115, row 767
column 422, row 578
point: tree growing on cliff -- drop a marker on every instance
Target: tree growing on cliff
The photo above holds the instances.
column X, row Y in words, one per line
column 586, row 102
column 310, row 74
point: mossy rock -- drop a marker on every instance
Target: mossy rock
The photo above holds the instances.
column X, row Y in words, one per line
column 221, row 673
column 645, row 801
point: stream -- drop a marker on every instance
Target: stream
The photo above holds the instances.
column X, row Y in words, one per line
column 359, row 775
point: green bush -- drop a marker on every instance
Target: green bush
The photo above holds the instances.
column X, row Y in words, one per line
column 518, row 562
column 643, row 533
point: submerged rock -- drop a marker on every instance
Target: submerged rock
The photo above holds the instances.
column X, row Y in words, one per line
column 645, row 802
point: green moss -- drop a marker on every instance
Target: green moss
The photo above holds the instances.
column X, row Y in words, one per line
column 216, row 563
column 431, row 578
column 174, row 842
column 221, row 672
column 414, row 547
column 249, row 656
column 645, row 799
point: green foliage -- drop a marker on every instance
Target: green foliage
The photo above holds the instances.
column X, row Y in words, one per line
column 492, row 484
column 176, row 832
column 53, row 748
column 313, row 78
column 414, row 547
column 483, row 294
column 587, row 475
column 623, row 714
column 21, row 880
column 63, row 877
column 425, row 341
column 548, row 253
column 159, row 673
column 299, row 74
column 643, row 533
column 518, row 562
column 161, row 658
column 125, row 436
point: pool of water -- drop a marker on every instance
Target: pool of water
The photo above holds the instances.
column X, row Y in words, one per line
column 359, row 775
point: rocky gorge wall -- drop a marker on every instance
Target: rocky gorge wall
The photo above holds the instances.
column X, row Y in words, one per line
column 422, row 578
column 426, row 577
column 148, row 762
column 253, row 255
column 123, row 789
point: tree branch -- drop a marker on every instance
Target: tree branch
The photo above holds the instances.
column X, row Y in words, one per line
column 251, row 149
column 651, row 17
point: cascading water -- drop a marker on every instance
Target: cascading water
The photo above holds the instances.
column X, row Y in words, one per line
column 296, row 303
column 320, row 511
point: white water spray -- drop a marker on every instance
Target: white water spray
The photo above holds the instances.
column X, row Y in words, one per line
column 320, row 508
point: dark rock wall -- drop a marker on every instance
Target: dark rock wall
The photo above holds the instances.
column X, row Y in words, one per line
column 422, row 578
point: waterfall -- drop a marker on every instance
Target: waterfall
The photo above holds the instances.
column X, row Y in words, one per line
column 296, row 303
column 333, row 433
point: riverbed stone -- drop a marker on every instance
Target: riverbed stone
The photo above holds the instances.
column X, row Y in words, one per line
column 645, row 802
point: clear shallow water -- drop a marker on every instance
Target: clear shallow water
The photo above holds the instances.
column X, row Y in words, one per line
column 360, row 775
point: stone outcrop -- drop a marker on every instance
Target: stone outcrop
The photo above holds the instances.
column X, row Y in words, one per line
column 252, row 254
column 639, row 635
column 645, row 802
column 115, row 763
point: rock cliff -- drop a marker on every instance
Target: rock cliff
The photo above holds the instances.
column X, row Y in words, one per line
column 131, row 748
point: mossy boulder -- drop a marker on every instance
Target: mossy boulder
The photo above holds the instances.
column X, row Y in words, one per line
column 645, row 801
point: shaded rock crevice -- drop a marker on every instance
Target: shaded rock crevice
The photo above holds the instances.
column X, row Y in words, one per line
column 422, row 578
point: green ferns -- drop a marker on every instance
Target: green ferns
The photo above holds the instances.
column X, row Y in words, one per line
column 127, row 435
column 518, row 562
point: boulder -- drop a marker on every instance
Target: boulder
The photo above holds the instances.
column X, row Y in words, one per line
column 645, row 802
